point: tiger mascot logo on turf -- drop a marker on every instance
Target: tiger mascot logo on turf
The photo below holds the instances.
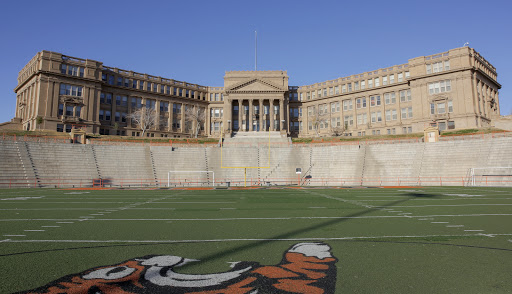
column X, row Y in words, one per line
column 305, row 268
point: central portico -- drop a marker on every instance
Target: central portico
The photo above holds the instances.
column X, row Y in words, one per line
column 254, row 101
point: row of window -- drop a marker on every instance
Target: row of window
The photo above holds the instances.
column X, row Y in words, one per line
column 256, row 109
column 440, row 107
column 70, row 90
column 71, row 110
column 438, row 66
column 216, row 97
column 439, row 87
column 72, row 70
column 149, row 86
column 360, row 85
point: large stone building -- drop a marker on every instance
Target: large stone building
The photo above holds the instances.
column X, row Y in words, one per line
column 456, row 89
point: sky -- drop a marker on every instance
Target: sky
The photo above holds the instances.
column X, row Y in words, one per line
column 197, row 41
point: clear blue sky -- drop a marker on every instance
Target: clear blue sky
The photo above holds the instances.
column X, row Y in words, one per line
column 197, row 41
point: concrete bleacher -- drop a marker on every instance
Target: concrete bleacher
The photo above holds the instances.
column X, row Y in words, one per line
column 124, row 165
column 442, row 163
column 13, row 172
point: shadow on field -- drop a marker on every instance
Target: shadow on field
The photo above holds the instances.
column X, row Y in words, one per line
column 286, row 235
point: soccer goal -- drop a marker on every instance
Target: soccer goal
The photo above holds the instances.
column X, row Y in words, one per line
column 489, row 176
column 190, row 178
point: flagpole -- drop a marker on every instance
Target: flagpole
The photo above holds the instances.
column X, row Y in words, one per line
column 255, row 50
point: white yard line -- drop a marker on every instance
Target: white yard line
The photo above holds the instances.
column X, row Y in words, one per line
column 249, row 239
column 419, row 217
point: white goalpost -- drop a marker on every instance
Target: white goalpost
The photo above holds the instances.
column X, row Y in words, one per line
column 185, row 182
column 490, row 176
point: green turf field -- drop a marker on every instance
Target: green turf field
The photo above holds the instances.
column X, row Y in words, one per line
column 404, row 240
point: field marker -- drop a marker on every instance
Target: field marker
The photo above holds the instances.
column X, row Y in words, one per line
column 50, row 226
column 451, row 205
column 454, row 226
column 227, row 208
column 473, row 230
column 439, row 222
column 65, row 222
column 34, row 230
column 316, row 207
column 15, row 235
column 249, row 239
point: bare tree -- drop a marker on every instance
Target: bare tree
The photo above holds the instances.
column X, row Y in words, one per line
column 195, row 115
column 144, row 118
column 317, row 119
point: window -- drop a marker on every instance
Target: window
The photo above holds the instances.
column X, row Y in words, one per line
column 370, row 83
column 331, row 91
column 311, row 110
column 390, row 98
column 405, row 95
column 69, row 110
column 134, row 84
column 149, row 86
column 325, row 92
column 118, row 100
column 406, row 112
column 70, row 90
column 362, row 119
column 376, row 116
column 363, row 85
column 136, row 102
column 361, row 102
column 391, row 80
column 78, row 110
column 348, row 120
column 126, row 82
column 349, row 87
column 375, row 132
column 60, row 128
column 313, row 94
column 141, row 85
column 119, row 81
column 384, row 81
column 102, row 112
column 356, row 86
column 104, row 77
column 344, row 89
column 72, row 70
column 391, row 115
column 432, row 108
column 377, row 82
column 439, row 87
column 176, row 108
column 450, row 106
column 438, row 67
column 451, row 125
column 61, row 109
column 123, row 116
column 400, row 77
column 407, row 74
column 375, row 101
column 319, row 93
column 336, row 90
column 347, row 105
column 441, row 125
column 107, row 115
column 150, row 103
column 441, row 108
column 118, row 116
column 110, row 80
column 168, row 92
column 164, row 106
column 68, row 128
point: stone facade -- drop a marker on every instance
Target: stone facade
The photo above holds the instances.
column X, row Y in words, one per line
column 456, row 89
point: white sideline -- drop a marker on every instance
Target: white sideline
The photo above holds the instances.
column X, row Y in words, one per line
column 260, row 218
column 248, row 239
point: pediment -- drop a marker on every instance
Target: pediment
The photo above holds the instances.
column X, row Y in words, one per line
column 255, row 85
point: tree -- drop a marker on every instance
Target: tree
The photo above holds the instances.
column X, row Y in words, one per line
column 144, row 118
column 39, row 122
column 195, row 115
column 317, row 119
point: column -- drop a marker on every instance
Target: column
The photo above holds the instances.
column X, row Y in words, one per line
column 240, row 109
column 281, row 115
column 261, row 115
column 271, row 108
column 171, row 113
column 194, row 122
column 227, row 115
column 182, row 120
column 251, row 112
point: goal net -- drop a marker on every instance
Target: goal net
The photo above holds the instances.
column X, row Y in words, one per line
column 489, row 176
column 190, row 178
